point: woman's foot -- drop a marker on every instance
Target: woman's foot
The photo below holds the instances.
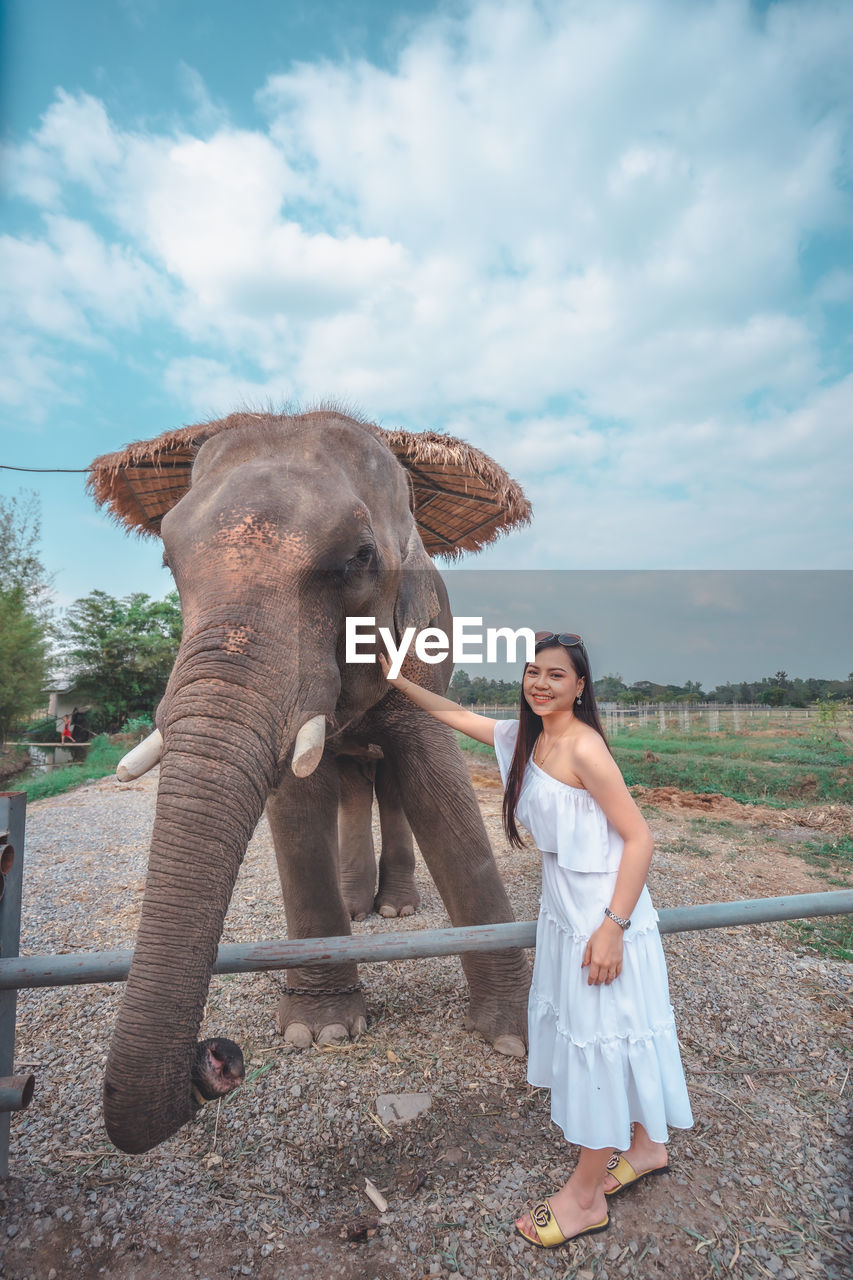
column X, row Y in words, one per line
column 644, row 1157
column 573, row 1216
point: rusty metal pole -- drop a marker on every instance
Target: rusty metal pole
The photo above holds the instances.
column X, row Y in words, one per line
column 411, row 944
column 13, row 812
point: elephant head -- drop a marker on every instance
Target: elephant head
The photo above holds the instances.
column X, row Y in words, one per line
column 288, row 526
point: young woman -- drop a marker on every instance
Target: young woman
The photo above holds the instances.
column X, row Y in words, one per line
column 601, row 1028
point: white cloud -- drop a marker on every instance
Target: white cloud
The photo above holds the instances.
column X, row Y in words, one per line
column 602, row 207
column 727, row 493
column 211, row 390
column 76, row 133
column 72, row 285
column 32, row 381
column 207, row 113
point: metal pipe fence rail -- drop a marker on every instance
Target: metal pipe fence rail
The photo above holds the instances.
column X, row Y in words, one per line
column 25, row 972
column 251, row 957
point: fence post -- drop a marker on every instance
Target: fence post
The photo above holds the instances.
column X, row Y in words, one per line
column 13, row 811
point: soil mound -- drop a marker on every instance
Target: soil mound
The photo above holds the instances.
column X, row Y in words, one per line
column 832, row 819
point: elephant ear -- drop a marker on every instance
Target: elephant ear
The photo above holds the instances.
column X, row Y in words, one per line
column 462, row 500
column 417, row 602
column 140, row 483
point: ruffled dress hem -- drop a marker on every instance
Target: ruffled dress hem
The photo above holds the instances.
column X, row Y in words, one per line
column 609, row 1054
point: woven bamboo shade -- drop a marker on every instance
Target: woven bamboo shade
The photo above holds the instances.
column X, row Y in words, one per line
column 463, row 500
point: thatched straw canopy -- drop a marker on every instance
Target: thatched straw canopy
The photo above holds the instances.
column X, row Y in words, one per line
column 463, row 500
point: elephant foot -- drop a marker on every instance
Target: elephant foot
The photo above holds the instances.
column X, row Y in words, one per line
column 400, row 899
column 321, row 1020
column 358, row 902
column 504, row 1027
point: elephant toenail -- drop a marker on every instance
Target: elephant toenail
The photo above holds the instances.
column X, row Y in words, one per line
column 298, row 1035
column 334, row 1033
column 511, row 1046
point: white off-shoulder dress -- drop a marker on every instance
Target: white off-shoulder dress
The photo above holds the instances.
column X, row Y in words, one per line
column 609, row 1054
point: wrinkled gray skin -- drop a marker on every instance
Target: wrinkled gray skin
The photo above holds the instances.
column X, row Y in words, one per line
column 358, row 780
column 290, row 525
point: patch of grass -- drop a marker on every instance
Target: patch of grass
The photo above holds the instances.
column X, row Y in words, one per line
column 830, row 853
column 680, row 844
column 830, row 936
column 712, row 824
column 759, row 776
column 778, row 772
column 101, row 759
column 831, row 856
column 802, row 750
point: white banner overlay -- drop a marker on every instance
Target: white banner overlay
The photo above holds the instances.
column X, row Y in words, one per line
column 467, row 643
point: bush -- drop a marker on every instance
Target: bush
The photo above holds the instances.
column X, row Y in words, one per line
column 101, row 759
column 42, row 731
column 140, row 726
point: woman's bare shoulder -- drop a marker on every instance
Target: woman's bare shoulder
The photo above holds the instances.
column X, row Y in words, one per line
column 589, row 745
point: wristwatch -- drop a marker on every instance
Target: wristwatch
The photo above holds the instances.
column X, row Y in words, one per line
column 620, row 920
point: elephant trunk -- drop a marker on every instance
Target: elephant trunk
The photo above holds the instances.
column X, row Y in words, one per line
column 217, row 769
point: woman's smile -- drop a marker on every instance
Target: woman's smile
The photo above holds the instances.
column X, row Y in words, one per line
column 551, row 683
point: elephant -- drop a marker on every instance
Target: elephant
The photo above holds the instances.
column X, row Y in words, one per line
column 359, row 779
column 290, row 524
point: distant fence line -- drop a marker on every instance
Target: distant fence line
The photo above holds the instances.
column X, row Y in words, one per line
column 683, row 717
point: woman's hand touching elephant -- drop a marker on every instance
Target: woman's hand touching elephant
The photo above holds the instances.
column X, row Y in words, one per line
column 443, row 709
column 399, row 682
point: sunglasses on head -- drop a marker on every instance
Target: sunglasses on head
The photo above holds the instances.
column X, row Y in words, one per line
column 567, row 638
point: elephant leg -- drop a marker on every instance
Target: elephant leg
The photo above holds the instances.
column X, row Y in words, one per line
column 355, row 835
column 397, row 894
column 319, row 1003
column 442, row 809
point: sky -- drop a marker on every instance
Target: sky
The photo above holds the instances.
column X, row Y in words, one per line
column 606, row 241
column 668, row 626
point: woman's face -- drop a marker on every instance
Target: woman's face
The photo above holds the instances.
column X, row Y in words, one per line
column 550, row 683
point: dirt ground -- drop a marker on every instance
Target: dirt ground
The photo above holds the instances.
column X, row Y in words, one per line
column 766, row 1077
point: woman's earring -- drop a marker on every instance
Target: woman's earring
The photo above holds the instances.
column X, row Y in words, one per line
column 578, row 699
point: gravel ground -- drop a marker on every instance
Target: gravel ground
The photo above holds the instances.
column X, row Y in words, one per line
column 267, row 1184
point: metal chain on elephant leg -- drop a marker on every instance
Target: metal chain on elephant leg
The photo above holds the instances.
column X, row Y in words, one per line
column 322, row 991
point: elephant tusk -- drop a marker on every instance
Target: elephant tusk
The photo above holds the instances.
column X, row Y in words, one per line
column 308, row 748
column 142, row 758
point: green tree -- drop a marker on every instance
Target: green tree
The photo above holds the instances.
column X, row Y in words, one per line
column 23, row 659
column 693, row 691
column 120, row 652
column 608, row 688
column 20, row 559
column 460, row 687
column 24, row 611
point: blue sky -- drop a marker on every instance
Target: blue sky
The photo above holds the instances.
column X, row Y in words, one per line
column 608, row 243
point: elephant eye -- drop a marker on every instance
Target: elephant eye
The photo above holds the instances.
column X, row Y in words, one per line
column 363, row 558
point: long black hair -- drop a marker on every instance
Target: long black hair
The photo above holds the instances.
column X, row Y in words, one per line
column 530, row 726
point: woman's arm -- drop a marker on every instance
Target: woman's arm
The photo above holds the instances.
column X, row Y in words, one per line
column 450, row 713
column 600, row 775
